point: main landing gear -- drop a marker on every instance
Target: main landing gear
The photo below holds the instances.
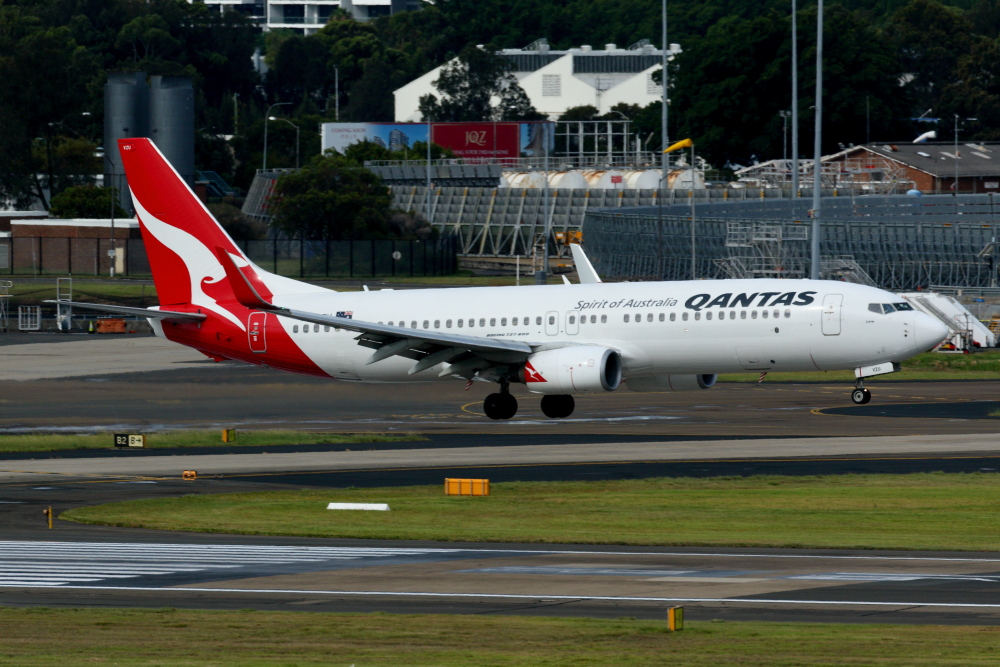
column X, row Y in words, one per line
column 500, row 405
column 860, row 395
column 558, row 406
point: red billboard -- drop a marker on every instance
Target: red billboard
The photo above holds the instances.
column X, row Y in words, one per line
column 479, row 140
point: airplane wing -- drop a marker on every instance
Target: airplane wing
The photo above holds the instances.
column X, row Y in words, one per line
column 126, row 310
column 583, row 266
column 466, row 355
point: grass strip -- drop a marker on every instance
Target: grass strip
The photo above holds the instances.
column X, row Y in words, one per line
column 982, row 365
column 169, row 637
column 45, row 442
column 919, row 511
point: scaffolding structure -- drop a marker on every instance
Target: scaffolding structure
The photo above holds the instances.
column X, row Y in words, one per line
column 5, row 287
column 64, row 312
column 897, row 243
column 859, row 175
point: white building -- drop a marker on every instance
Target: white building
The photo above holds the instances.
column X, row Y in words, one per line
column 308, row 16
column 559, row 80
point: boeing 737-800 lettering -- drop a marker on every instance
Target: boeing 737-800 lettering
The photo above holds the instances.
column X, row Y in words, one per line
column 558, row 340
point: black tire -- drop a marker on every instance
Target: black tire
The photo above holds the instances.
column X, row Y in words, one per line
column 509, row 404
column 861, row 396
column 868, row 396
column 493, row 406
column 558, row 406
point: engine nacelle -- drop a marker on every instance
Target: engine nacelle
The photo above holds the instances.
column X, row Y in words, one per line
column 578, row 369
column 671, row 382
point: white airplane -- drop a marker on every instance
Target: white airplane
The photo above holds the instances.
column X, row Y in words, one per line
column 558, row 340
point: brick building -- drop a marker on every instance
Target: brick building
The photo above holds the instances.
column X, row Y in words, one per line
column 931, row 167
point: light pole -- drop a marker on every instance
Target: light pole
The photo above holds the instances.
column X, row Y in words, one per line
column 296, row 136
column 955, row 183
column 664, row 136
column 817, row 146
column 784, row 145
column 795, row 107
column 266, row 116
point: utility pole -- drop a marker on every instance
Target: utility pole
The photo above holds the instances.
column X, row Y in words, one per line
column 336, row 94
column 267, row 115
column 429, row 171
column 817, row 146
column 542, row 276
column 795, row 107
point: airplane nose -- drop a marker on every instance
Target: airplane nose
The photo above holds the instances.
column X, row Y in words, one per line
column 928, row 331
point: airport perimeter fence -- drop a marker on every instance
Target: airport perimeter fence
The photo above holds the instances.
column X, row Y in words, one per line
column 287, row 257
column 900, row 253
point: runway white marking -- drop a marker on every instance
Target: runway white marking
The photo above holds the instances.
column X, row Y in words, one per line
column 48, row 564
column 539, row 598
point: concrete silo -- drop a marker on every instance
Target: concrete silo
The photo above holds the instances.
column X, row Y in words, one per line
column 126, row 114
column 171, row 121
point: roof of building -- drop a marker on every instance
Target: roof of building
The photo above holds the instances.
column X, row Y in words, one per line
column 79, row 222
column 637, row 58
column 938, row 158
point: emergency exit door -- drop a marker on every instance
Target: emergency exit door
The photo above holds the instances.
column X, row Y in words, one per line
column 256, row 332
column 831, row 314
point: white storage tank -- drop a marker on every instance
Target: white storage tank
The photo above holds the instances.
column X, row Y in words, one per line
column 567, row 180
column 525, row 179
column 680, row 179
column 643, row 179
column 604, row 179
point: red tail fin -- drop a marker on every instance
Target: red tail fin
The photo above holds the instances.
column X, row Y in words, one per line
column 180, row 234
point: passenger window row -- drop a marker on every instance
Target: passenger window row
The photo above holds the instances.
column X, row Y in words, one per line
column 638, row 317
column 764, row 314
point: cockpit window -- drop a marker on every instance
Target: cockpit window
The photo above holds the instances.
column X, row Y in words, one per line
column 887, row 308
column 875, row 308
column 902, row 306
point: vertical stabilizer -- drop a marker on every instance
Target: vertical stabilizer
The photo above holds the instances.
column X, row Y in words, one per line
column 180, row 234
column 584, row 268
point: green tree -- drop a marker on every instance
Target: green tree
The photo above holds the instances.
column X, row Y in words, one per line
column 468, row 85
column 976, row 91
column 334, row 198
column 85, row 201
column 929, row 38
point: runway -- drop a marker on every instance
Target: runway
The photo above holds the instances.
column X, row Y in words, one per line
column 69, row 386
column 741, row 429
column 523, row 579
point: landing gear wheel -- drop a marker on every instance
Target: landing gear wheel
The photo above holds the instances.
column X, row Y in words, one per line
column 558, row 406
column 500, row 405
column 861, row 396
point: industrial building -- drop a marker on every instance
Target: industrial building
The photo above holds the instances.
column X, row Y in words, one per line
column 890, row 168
column 559, row 80
column 308, row 17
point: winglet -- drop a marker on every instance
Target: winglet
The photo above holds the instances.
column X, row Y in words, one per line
column 584, row 268
column 243, row 290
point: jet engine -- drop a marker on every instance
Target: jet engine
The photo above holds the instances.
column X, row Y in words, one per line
column 578, row 369
column 671, row 382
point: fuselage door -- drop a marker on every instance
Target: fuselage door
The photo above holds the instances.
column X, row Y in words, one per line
column 831, row 314
column 256, row 325
column 552, row 323
column 573, row 322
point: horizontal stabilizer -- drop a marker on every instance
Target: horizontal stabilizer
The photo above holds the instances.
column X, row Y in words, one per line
column 135, row 312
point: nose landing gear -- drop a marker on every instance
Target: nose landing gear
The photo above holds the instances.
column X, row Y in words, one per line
column 500, row 405
column 860, row 395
